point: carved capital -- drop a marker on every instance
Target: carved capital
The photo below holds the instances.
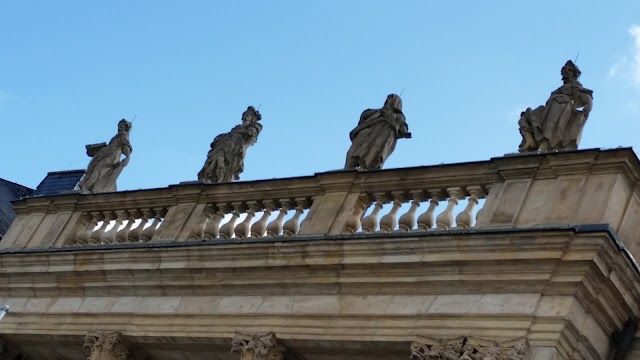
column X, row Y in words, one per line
column 517, row 349
column 106, row 346
column 430, row 348
column 470, row 348
column 257, row 346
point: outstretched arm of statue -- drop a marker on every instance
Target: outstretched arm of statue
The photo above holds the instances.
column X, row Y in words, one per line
column 587, row 100
column 403, row 130
column 126, row 151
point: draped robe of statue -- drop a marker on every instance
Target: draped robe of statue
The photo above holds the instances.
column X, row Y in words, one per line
column 106, row 164
column 374, row 139
column 558, row 124
column 225, row 160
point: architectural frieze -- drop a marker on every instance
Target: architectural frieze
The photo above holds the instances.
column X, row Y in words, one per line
column 469, row 348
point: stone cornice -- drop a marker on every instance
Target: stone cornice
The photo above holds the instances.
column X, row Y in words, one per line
column 555, row 263
column 423, row 177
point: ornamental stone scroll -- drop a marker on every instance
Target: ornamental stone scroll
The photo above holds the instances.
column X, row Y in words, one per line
column 258, row 346
column 469, row 348
column 106, row 346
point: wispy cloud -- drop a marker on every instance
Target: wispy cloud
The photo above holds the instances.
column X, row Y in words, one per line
column 628, row 66
column 513, row 115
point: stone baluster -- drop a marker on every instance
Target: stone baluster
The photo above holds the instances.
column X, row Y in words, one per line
column 388, row 222
column 306, row 218
column 135, row 235
column 275, row 227
column 212, row 230
column 480, row 212
column 258, row 346
column 370, row 222
column 85, row 234
column 292, row 226
column 444, row 221
column 427, row 220
column 122, row 217
column 464, row 220
column 243, row 230
column 106, row 346
column 408, row 220
column 157, row 221
column 132, row 215
column 156, row 215
column 109, row 236
column 226, row 231
column 259, row 228
column 352, row 225
column 96, row 235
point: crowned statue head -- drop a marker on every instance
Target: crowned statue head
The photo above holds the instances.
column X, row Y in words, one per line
column 251, row 115
column 570, row 72
column 124, row 125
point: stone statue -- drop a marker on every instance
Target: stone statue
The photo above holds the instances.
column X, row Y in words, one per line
column 106, row 163
column 225, row 160
column 558, row 125
column 374, row 139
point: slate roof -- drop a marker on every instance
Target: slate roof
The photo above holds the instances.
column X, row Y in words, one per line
column 55, row 183
column 58, row 182
column 9, row 191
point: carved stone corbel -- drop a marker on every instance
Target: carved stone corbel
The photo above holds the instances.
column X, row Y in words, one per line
column 470, row 348
column 258, row 346
column 106, row 346
column 430, row 348
column 517, row 349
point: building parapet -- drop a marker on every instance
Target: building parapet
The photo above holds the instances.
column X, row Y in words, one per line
column 576, row 187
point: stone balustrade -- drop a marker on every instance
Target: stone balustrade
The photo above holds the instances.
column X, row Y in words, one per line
column 257, row 222
column 505, row 192
column 449, row 218
column 117, row 226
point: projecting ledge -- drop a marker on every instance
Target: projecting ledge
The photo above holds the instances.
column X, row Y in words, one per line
column 310, row 239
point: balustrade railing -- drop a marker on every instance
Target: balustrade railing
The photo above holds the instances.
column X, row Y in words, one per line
column 117, row 227
column 511, row 191
column 215, row 223
column 410, row 220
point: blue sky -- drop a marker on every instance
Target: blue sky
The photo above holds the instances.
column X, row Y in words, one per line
column 69, row 70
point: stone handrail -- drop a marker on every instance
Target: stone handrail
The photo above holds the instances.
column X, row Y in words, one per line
column 579, row 187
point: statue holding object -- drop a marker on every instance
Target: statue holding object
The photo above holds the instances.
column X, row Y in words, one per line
column 558, row 124
column 225, row 160
column 106, row 161
column 374, row 139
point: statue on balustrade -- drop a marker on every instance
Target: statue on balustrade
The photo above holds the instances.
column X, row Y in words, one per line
column 106, row 161
column 558, row 124
column 374, row 139
column 225, row 160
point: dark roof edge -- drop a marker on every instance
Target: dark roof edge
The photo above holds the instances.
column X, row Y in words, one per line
column 16, row 184
column 65, row 171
